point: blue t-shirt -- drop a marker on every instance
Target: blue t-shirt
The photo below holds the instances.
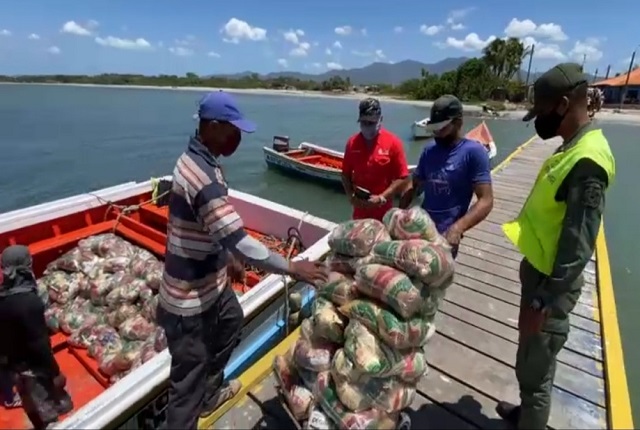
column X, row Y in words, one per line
column 448, row 175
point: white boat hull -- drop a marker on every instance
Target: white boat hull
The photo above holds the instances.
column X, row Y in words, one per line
column 419, row 131
column 143, row 384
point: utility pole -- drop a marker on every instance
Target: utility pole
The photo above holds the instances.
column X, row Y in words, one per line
column 595, row 76
column 584, row 60
column 626, row 82
column 533, row 48
column 608, row 71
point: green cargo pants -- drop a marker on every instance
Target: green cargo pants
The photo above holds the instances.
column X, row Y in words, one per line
column 536, row 356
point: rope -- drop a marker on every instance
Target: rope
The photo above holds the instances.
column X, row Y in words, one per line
column 293, row 235
column 123, row 210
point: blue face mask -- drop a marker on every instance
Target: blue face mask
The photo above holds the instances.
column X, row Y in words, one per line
column 370, row 131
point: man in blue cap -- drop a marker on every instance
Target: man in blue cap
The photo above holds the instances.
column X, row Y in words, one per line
column 198, row 309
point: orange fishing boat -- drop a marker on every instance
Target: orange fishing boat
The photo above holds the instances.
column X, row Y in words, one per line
column 130, row 212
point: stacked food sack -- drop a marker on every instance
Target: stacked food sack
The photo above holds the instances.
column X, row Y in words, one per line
column 103, row 294
column 361, row 354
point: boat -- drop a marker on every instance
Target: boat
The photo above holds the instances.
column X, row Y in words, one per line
column 130, row 211
column 308, row 161
column 480, row 133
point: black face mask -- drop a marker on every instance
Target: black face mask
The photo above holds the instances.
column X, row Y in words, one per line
column 547, row 125
column 445, row 140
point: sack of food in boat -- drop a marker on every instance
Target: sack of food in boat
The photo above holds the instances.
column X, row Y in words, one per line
column 413, row 223
column 394, row 331
column 391, row 287
column 141, row 262
column 76, row 260
column 327, row 322
column 99, row 288
column 358, row 391
column 299, row 398
column 149, row 308
column 145, row 294
column 356, row 238
column 312, row 352
column 345, row 264
column 43, row 292
column 431, row 264
column 373, row 357
column 148, row 350
column 136, row 328
column 339, row 289
column 325, row 394
column 153, row 277
column 77, row 314
column 85, row 335
column 52, row 316
column 159, row 339
column 64, row 287
column 121, row 314
column 106, row 245
column 129, row 356
column 116, row 264
column 127, row 290
column 105, row 339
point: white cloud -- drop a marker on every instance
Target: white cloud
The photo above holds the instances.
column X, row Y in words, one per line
column 398, row 29
column 301, row 50
column 337, row 45
column 328, row 51
column 471, row 42
column 544, row 51
column 293, row 35
column 345, row 30
column 118, row 43
column 33, row 36
column 454, row 17
column 334, row 66
column 588, row 49
column 53, row 50
column 213, row 54
column 457, row 26
column 430, row 30
column 5, row 32
column 236, row 30
column 363, row 31
column 72, row 27
column 377, row 54
column 282, row 62
column 181, row 51
column 520, row 29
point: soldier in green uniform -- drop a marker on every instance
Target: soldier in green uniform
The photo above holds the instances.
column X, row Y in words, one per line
column 556, row 232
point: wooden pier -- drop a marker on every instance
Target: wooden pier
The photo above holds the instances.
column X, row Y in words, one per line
column 472, row 356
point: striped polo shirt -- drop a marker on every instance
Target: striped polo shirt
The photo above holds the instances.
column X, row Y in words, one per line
column 202, row 223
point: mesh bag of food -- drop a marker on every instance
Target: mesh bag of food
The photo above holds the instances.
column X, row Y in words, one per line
column 129, row 355
column 149, row 308
column 100, row 288
column 327, row 322
column 136, row 328
column 85, row 335
column 141, row 263
column 345, row 264
column 339, row 289
column 356, row 238
column 107, row 362
column 127, row 291
column 372, row 357
column 390, row 286
column 76, row 260
column 413, row 223
column 358, row 391
column 153, row 276
column 145, row 294
column 326, row 396
column 64, row 287
column 76, row 315
column 393, row 330
column 159, row 339
column 121, row 314
column 116, row 264
column 311, row 352
column 52, row 316
column 105, row 340
column 299, row 398
column 106, row 245
column 43, row 291
column 148, row 351
column 417, row 258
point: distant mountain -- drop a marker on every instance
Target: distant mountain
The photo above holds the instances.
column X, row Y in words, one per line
column 378, row 73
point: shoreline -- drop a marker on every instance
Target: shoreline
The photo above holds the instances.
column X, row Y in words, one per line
column 631, row 117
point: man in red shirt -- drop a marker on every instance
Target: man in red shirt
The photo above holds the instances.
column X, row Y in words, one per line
column 374, row 159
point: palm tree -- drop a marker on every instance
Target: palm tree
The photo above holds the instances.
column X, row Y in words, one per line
column 504, row 57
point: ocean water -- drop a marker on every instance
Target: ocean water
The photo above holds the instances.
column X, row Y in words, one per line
column 58, row 141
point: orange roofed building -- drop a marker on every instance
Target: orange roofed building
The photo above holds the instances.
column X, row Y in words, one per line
column 613, row 87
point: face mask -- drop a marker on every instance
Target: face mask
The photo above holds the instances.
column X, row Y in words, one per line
column 370, row 131
column 547, row 125
column 445, row 140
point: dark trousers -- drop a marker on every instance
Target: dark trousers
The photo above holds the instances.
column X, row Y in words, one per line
column 6, row 385
column 536, row 356
column 200, row 348
column 44, row 398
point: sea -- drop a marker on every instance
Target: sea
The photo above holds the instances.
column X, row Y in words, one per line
column 58, row 141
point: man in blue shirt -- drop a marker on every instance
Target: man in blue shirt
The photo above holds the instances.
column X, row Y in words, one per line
column 450, row 171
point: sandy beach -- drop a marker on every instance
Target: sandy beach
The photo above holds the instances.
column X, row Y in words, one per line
column 631, row 117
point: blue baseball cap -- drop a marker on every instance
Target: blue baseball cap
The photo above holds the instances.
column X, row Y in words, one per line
column 221, row 106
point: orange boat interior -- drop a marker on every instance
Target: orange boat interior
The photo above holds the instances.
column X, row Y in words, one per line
column 308, row 156
column 146, row 228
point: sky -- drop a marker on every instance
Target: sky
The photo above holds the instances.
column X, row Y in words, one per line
column 212, row 37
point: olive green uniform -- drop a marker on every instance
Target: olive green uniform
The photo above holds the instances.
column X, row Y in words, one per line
column 583, row 191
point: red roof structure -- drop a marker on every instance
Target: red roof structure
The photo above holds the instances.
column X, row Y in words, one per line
column 619, row 81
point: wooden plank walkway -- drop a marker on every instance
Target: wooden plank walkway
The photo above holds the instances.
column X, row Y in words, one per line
column 472, row 356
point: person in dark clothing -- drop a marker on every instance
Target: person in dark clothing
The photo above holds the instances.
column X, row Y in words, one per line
column 25, row 344
column 556, row 233
column 8, row 397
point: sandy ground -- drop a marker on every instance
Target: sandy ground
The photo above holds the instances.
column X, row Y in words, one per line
column 631, row 117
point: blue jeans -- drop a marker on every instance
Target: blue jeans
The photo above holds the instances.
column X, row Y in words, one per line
column 6, row 386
